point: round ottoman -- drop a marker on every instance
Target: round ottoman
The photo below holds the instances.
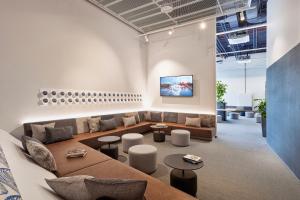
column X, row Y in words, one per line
column 131, row 139
column 180, row 137
column 234, row 115
column 143, row 157
column 258, row 117
column 249, row 114
column 219, row 119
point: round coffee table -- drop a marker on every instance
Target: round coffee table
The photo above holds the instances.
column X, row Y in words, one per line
column 107, row 146
column 182, row 176
column 159, row 134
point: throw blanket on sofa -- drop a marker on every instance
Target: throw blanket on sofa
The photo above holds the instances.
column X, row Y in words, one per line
column 8, row 187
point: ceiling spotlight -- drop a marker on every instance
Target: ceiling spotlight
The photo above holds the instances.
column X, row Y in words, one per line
column 170, row 32
column 146, row 38
column 202, row 25
column 242, row 16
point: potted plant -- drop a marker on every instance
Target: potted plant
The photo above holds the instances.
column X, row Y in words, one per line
column 261, row 108
column 221, row 89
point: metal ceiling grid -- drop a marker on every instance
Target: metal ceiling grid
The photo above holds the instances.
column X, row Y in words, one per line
column 146, row 15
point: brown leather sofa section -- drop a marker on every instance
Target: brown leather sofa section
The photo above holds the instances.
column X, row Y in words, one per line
column 68, row 165
column 156, row 190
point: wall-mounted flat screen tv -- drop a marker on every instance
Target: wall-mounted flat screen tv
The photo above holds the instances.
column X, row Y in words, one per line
column 176, row 86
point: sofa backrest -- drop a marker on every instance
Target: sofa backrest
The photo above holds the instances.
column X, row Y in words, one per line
column 58, row 123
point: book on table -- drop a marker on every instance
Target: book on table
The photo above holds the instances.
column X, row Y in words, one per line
column 75, row 153
column 192, row 159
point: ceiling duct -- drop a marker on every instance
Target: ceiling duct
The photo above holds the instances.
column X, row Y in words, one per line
column 238, row 37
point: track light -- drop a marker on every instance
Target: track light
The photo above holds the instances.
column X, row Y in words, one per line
column 202, row 25
column 242, row 16
column 146, row 38
column 170, row 32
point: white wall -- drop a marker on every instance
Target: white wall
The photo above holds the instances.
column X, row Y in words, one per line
column 283, row 28
column 189, row 51
column 67, row 44
column 232, row 73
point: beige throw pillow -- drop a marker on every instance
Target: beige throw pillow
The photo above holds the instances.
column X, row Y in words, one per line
column 94, row 124
column 196, row 122
column 147, row 116
column 129, row 121
column 39, row 132
column 82, row 125
column 135, row 114
column 41, row 155
column 70, row 188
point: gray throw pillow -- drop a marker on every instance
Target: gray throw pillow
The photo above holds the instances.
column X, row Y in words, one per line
column 108, row 124
column 58, row 134
column 94, row 124
column 70, row 188
column 41, row 155
column 119, row 189
column 170, row 117
column 129, row 121
column 156, row 116
column 39, row 132
column 23, row 140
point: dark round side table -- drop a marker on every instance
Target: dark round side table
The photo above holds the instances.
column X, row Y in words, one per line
column 109, row 147
column 158, row 133
column 182, row 176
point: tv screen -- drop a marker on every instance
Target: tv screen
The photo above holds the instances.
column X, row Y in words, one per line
column 176, row 86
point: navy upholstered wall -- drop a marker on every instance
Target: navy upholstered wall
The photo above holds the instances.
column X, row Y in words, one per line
column 283, row 108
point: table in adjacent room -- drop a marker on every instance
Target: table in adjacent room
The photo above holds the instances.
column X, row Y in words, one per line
column 158, row 133
column 108, row 146
column 182, row 175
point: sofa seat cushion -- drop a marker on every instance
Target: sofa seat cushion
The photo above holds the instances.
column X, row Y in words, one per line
column 68, row 165
column 156, row 190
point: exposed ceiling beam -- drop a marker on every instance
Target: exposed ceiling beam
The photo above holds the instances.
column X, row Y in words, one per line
column 112, row 3
column 136, row 8
column 241, row 51
column 220, row 7
column 199, row 20
column 243, row 29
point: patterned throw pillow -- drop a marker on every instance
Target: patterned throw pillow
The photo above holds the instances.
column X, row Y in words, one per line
column 147, row 116
column 39, row 132
column 41, row 155
column 8, row 187
column 94, row 124
column 70, row 188
column 129, row 121
column 120, row 189
column 196, row 122
column 135, row 114
column 23, row 140
column 82, row 125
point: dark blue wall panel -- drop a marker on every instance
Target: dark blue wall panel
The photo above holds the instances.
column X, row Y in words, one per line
column 283, row 108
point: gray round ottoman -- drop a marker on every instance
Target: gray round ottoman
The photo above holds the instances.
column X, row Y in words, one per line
column 143, row 157
column 219, row 119
column 131, row 139
column 234, row 115
column 180, row 137
column 249, row 114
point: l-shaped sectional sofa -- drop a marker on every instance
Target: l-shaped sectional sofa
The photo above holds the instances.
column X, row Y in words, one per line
column 99, row 165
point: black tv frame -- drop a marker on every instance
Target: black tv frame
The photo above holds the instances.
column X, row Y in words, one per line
column 177, row 76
